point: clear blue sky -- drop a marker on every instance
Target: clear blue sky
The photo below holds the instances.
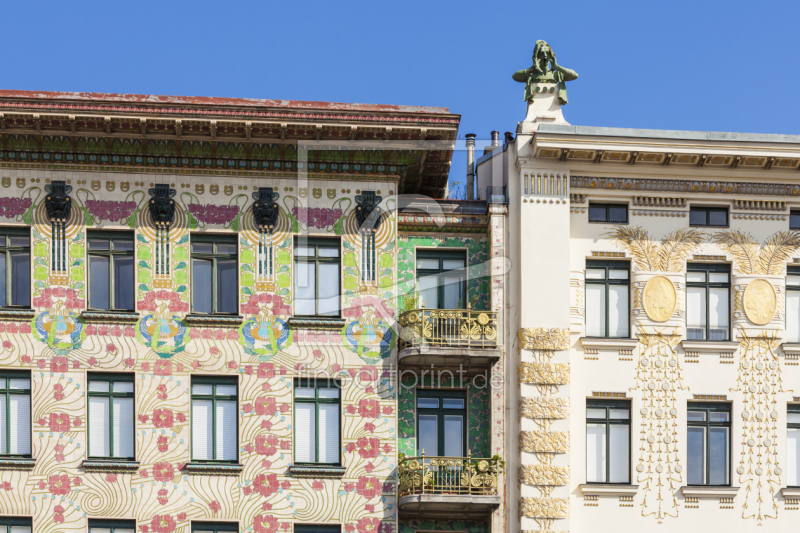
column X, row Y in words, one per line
column 696, row 65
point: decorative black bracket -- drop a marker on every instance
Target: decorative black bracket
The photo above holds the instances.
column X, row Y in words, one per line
column 368, row 212
column 266, row 209
column 162, row 206
column 57, row 203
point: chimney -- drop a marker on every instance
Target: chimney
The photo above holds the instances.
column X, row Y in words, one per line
column 509, row 137
column 495, row 138
column 470, row 166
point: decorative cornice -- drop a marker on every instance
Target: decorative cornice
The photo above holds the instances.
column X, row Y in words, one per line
column 11, row 313
column 317, row 471
column 222, row 469
column 110, row 466
column 106, row 316
column 233, row 321
column 760, row 205
column 316, row 323
column 685, row 186
column 659, row 201
column 17, row 463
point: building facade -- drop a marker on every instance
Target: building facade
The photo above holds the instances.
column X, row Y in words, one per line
column 204, row 306
column 652, row 325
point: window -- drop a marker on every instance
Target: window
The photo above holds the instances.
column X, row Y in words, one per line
column 793, row 304
column 111, row 526
column 708, row 443
column 307, row 528
column 316, row 277
column 607, row 308
column 708, row 216
column 15, row 413
column 111, row 282
column 111, row 411
column 15, row 268
column 441, row 422
column 608, row 213
column 215, row 429
column 316, row 421
column 608, row 438
column 214, row 527
column 442, row 279
column 215, row 275
column 708, row 290
column 793, row 445
column 16, row 525
column 794, row 219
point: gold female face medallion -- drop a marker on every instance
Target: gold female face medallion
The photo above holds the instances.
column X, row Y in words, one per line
column 659, row 299
column 760, row 302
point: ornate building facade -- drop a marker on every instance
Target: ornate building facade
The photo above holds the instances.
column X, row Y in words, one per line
column 206, row 308
column 653, row 323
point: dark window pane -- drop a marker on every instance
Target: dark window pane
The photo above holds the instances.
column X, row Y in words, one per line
column 328, row 251
column 226, row 286
column 697, row 217
column 98, row 282
column 123, row 283
column 453, row 403
column 695, row 456
column 718, row 218
column 20, row 278
column 202, row 248
column 617, row 213
column 718, row 456
column 794, row 220
column 98, row 244
column 304, row 299
column 3, row 280
column 597, row 213
column 226, row 248
column 201, row 285
column 329, row 289
column 19, row 242
column 123, row 245
column 428, row 403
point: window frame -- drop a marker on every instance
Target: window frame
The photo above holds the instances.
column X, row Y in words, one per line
column 214, row 381
column 707, row 268
column 215, row 527
column 792, row 408
column 309, row 383
column 442, row 256
column 790, row 271
column 440, row 411
column 11, row 521
column 708, row 210
column 593, row 403
column 7, row 375
column 6, row 233
column 709, row 407
column 110, row 253
column 607, row 206
column 610, row 265
column 214, row 239
column 111, row 378
column 317, row 528
column 796, row 214
column 111, row 524
column 316, row 242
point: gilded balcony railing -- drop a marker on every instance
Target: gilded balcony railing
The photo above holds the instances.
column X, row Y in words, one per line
column 448, row 327
column 448, row 475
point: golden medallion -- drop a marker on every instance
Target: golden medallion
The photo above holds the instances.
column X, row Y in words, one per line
column 659, row 299
column 760, row 302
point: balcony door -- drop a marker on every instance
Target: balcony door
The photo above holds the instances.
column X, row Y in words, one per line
column 442, row 423
column 442, row 279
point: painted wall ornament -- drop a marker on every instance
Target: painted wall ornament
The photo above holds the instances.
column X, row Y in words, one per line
column 264, row 335
column 162, row 205
column 162, row 332
column 659, row 299
column 61, row 329
column 760, row 302
column 545, row 69
column 369, row 337
column 266, row 209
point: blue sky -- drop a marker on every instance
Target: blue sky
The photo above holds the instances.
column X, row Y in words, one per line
column 696, row 65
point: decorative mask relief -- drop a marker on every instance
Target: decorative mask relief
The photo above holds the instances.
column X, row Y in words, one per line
column 266, row 209
column 59, row 207
column 659, row 299
column 162, row 205
column 368, row 216
column 760, row 302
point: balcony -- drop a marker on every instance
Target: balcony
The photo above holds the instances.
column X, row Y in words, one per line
column 448, row 337
column 448, row 487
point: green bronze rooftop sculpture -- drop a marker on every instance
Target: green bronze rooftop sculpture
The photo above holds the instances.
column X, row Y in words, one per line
column 545, row 69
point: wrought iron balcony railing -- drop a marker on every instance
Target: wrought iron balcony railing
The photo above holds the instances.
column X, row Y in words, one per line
column 448, row 475
column 448, row 327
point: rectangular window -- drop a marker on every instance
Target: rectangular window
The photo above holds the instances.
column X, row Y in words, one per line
column 10, row 524
column 708, row 289
column 215, row 418
column 316, row 277
column 607, row 294
column 110, row 526
column 793, row 445
column 111, row 283
column 214, row 527
column 708, row 216
column 111, row 412
column 608, row 440
column 793, row 304
column 794, row 219
column 442, row 422
column 442, row 279
column 608, row 213
column 15, row 414
column 215, row 275
column 15, row 267
column 316, row 421
column 316, row 528
column 708, row 443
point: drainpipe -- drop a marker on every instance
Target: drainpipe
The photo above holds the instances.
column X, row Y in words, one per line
column 470, row 166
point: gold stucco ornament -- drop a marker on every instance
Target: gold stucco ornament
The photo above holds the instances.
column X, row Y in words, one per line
column 760, row 302
column 659, row 299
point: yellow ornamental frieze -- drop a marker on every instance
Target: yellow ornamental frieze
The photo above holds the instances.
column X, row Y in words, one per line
column 544, row 507
column 544, row 441
column 552, row 408
column 543, row 475
column 544, row 373
column 544, row 339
